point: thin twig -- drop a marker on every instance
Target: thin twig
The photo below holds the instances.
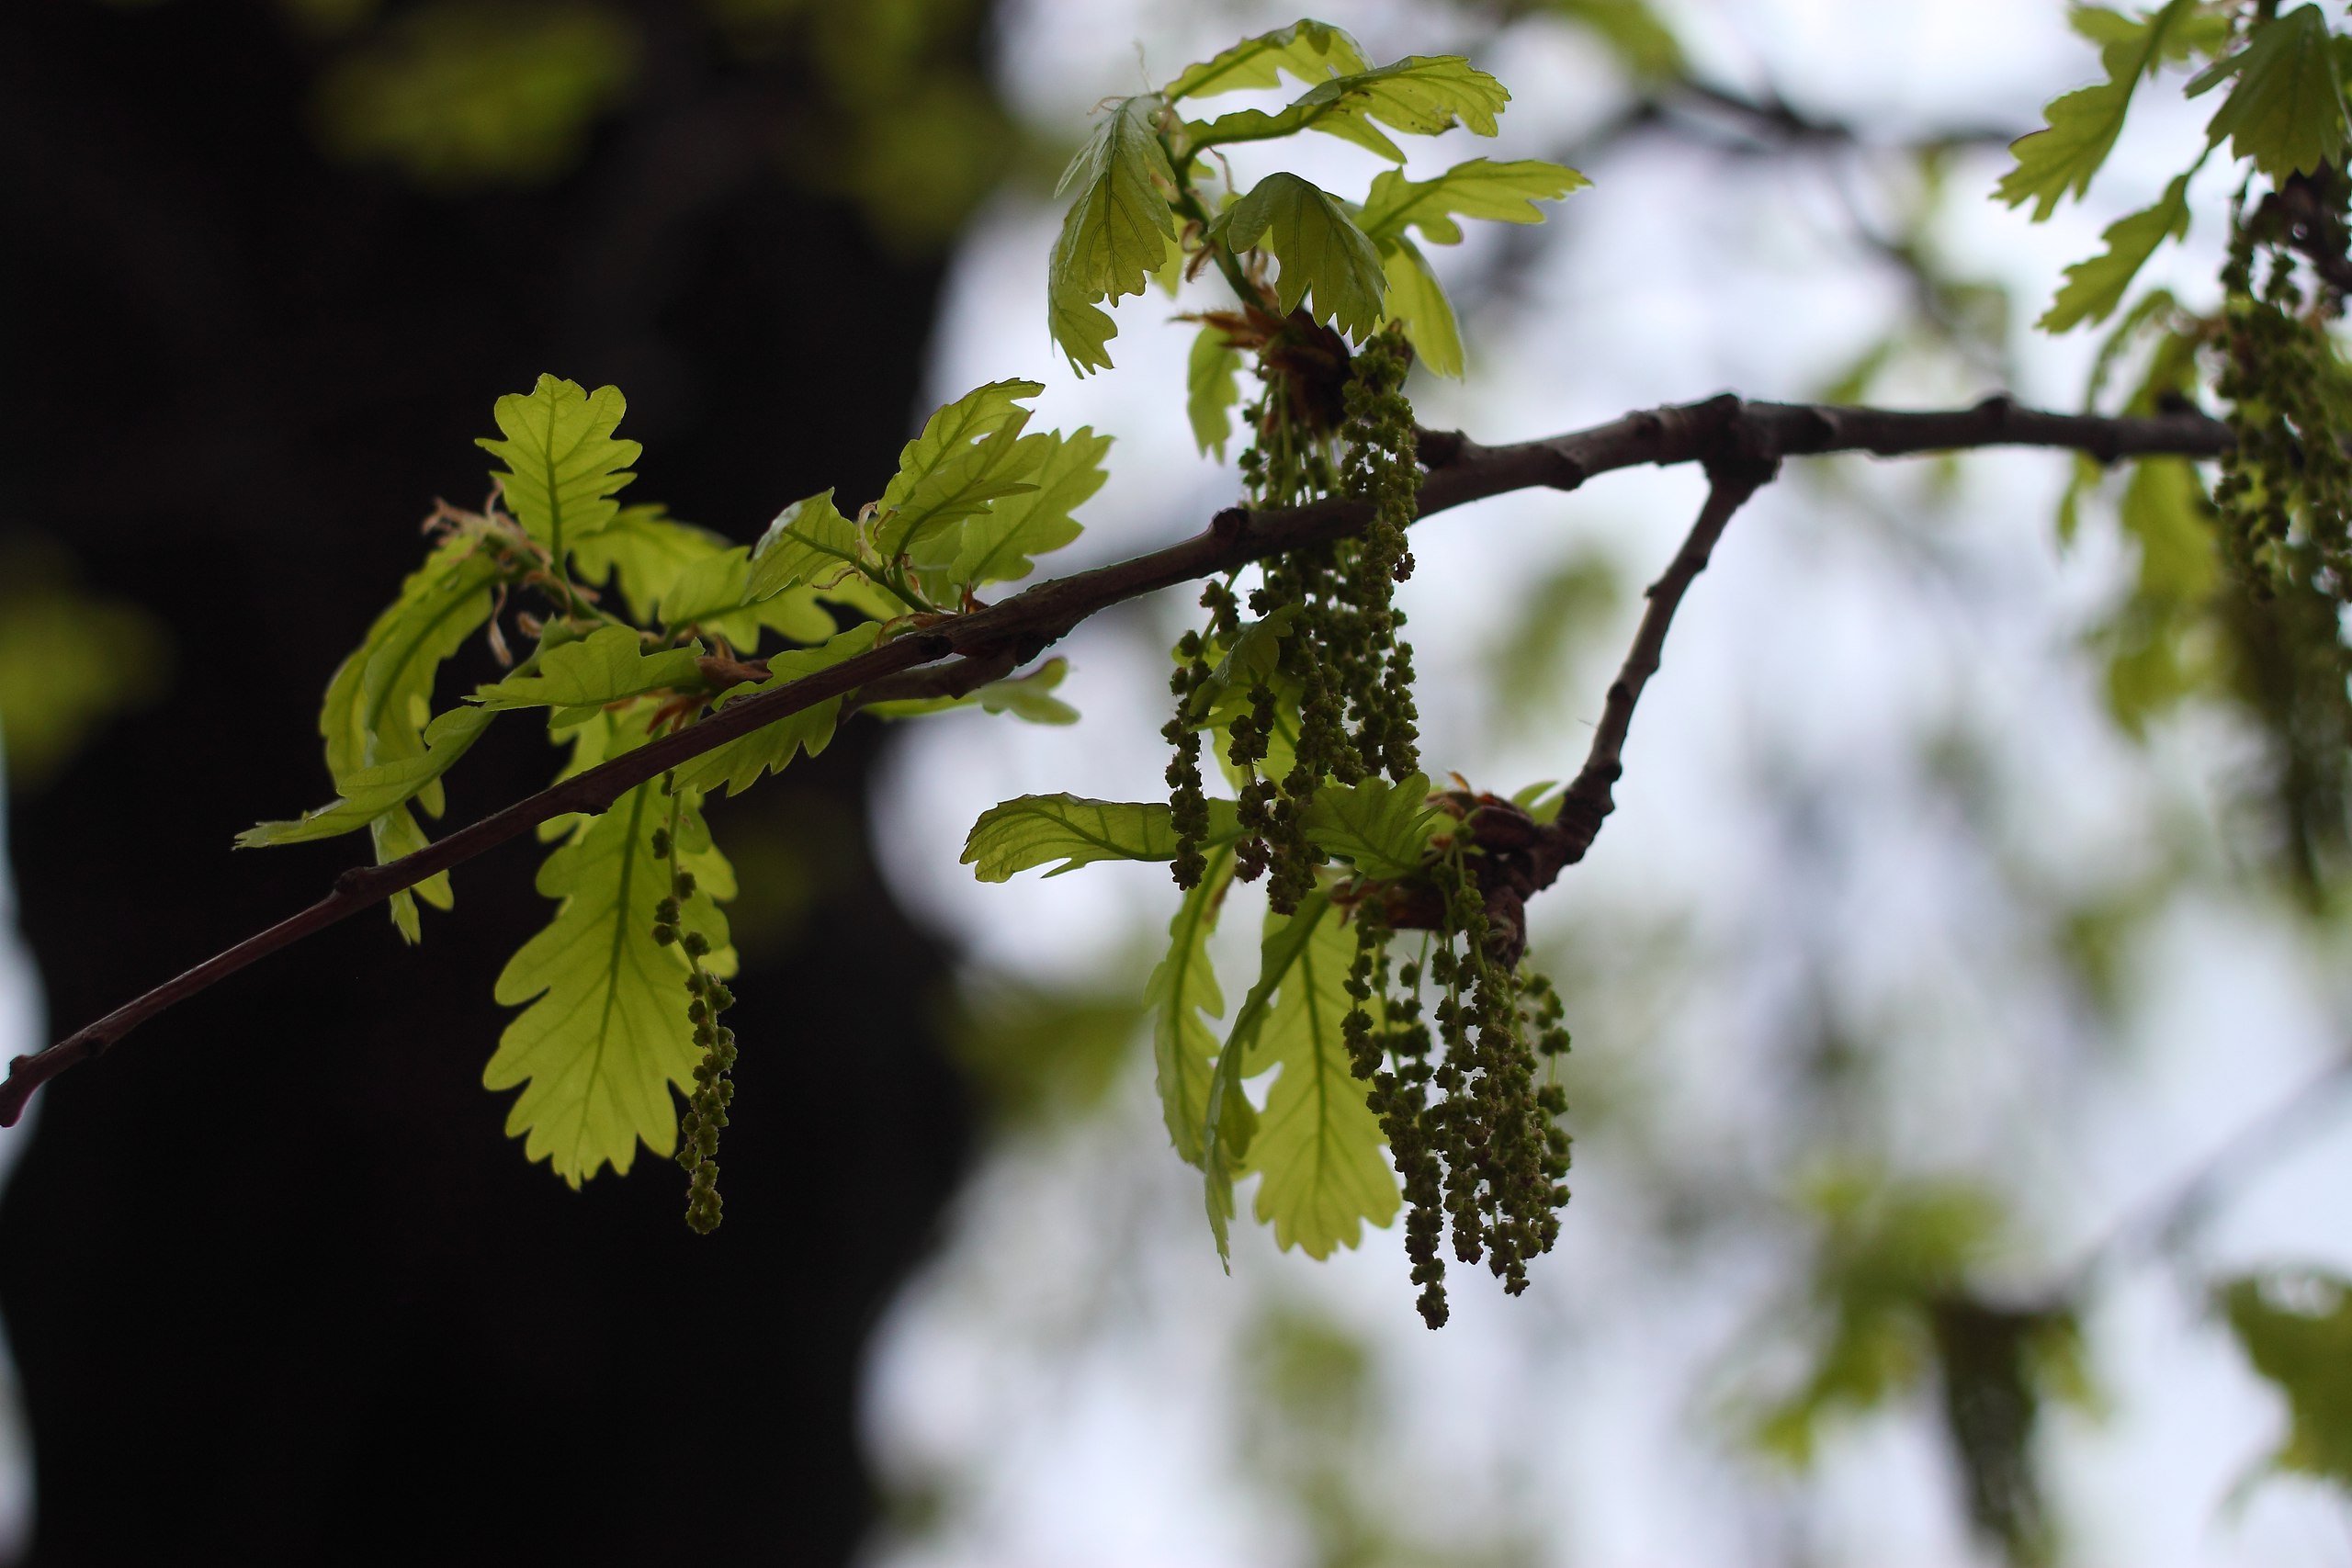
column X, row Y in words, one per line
column 1719, row 432
column 2165, row 1223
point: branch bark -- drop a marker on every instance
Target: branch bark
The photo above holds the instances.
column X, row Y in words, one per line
column 1731, row 437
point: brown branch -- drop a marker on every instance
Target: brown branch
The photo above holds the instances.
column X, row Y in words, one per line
column 1590, row 796
column 1724, row 433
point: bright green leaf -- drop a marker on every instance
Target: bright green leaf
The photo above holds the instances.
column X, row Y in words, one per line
column 1183, row 988
column 2083, row 125
column 1416, row 301
column 738, row 763
column 1380, row 828
column 606, row 1033
column 1308, row 50
column 1506, row 193
column 1033, row 829
column 810, row 542
column 2286, row 111
column 379, row 700
column 642, row 553
column 997, row 544
column 1226, row 1133
column 1318, row 1147
column 971, row 453
column 1421, row 95
column 370, row 793
column 563, row 464
column 1117, row 232
column 2095, row 287
column 607, row 665
column 1322, row 251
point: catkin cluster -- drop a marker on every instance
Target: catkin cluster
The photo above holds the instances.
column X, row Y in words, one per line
column 707, row 997
column 2285, row 493
column 1477, row 1142
column 1331, row 699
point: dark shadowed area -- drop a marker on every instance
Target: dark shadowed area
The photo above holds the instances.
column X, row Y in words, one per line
column 280, row 1288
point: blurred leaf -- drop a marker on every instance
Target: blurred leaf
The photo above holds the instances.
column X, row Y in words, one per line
column 2095, row 287
column 464, row 94
column 1211, row 389
column 1643, row 43
column 2296, row 1328
column 1038, row 1052
column 70, row 662
column 2286, row 109
column 1998, row 1365
column 1886, row 1252
column 2083, row 125
column 2159, row 642
column 1567, row 609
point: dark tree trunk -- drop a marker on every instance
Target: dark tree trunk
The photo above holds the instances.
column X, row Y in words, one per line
column 280, row 1288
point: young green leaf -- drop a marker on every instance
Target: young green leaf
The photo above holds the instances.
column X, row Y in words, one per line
column 1416, row 301
column 2286, row 111
column 607, row 665
column 2297, row 1330
column 1211, row 389
column 1022, row 696
column 378, row 700
column 1183, row 988
column 1308, row 50
column 606, row 1033
column 1318, row 1147
column 997, row 544
column 1226, row 1134
column 811, row 552
column 1506, row 193
column 971, row 453
column 738, row 763
column 1380, row 828
column 2095, row 287
column 642, row 553
column 1421, row 95
column 2083, row 125
column 367, row 793
column 1033, row 829
column 563, row 464
column 1117, row 232
column 1322, row 251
